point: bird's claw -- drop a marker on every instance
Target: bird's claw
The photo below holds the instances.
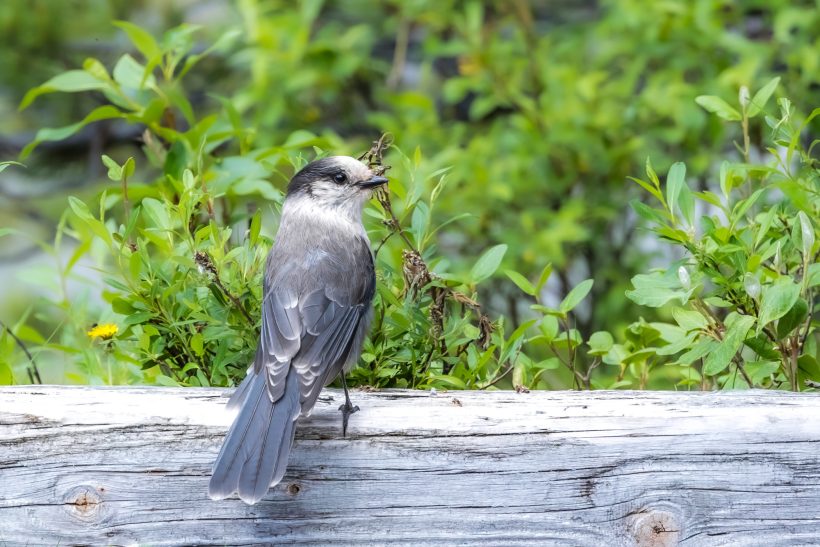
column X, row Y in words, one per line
column 347, row 409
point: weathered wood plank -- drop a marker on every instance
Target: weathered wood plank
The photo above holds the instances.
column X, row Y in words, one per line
column 82, row 465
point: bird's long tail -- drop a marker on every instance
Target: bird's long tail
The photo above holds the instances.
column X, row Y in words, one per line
column 255, row 453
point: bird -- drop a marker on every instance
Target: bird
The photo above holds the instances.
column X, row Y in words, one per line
column 318, row 288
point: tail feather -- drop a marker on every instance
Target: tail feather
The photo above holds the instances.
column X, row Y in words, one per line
column 255, row 453
column 241, row 392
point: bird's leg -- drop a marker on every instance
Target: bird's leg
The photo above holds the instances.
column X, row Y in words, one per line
column 347, row 408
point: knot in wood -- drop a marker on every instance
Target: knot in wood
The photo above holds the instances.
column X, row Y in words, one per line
column 655, row 528
column 83, row 502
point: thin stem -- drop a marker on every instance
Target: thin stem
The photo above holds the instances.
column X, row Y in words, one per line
column 33, row 372
column 125, row 201
column 739, row 364
column 399, row 54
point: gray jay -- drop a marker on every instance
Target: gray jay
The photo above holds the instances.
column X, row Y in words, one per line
column 316, row 309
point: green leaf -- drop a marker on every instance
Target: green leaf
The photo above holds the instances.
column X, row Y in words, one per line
column 806, row 234
column 176, row 160
column 793, row 319
column 80, row 209
column 71, row 81
column 600, row 343
column 778, row 298
column 544, row 277
column 764, row 225
column 135, row 266
column 549, row 328
column 742, row 206
column 678, row 345
column 549, row 363
column 656, row 289
column 521, row 281
column 6, row 376
column 578, row 293
column 718, row 106
column 675, row 181
column 128, row 168
column 646, row 212
column 653, row 176
column 814, row 274
column 143, row 41
column 762, row 97
column 568, row 339
column 488, row 263
column 157, row 212
column 761, row 370
column 256, row 227
column 114, row 169
column 96, row 69
column 703, row 347
column 447, row 381
column 737, row 326
column 4, row 164
column 122, row 306
column 197, row 344
column 689, row 320
column 648, row 187
column 137, row 318
column 163, row 380
column 50, row 134
column 709, row 197
column 129, row 74
column 546, row 310
column 259, row 187
column 726, row 178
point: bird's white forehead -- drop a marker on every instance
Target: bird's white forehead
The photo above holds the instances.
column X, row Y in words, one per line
column 351, row 165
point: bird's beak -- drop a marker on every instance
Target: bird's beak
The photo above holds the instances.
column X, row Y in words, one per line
column 373, row 181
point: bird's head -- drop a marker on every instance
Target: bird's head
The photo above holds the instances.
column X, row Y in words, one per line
column 336, row 182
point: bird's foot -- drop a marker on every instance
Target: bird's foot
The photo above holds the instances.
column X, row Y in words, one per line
column 347, row 409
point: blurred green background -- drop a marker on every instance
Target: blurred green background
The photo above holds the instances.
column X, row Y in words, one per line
column 540, row 111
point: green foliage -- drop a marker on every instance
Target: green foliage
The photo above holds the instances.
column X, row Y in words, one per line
column 523, row 126
column 184, row 291
column 745, row 291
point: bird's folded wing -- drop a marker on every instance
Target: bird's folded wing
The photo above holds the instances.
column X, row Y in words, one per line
column 313, row 328
column 329, row 331
column 280, row 338
column 312, row 334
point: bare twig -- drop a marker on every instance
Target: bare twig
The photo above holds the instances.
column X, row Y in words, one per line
column 739, row 364
column 33, row 371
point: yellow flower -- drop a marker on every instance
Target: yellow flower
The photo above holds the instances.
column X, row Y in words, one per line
column 467, row 66
column 104, row 331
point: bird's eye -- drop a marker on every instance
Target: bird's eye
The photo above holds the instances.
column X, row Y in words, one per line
column 340, row 177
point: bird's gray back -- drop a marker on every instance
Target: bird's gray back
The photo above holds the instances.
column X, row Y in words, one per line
column 318, row 289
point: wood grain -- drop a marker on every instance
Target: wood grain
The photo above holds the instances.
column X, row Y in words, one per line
column 123, row 466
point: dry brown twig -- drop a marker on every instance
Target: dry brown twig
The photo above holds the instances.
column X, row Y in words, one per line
column 417, row 275
column 203, row 260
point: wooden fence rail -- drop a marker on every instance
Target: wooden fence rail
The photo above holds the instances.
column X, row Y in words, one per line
column 114, row 466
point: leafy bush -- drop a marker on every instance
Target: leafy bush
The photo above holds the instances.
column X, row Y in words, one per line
column 186, row 292
column 746, row 287
column 514, row 132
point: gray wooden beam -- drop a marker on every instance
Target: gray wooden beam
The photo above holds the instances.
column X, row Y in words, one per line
column 90, row 465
